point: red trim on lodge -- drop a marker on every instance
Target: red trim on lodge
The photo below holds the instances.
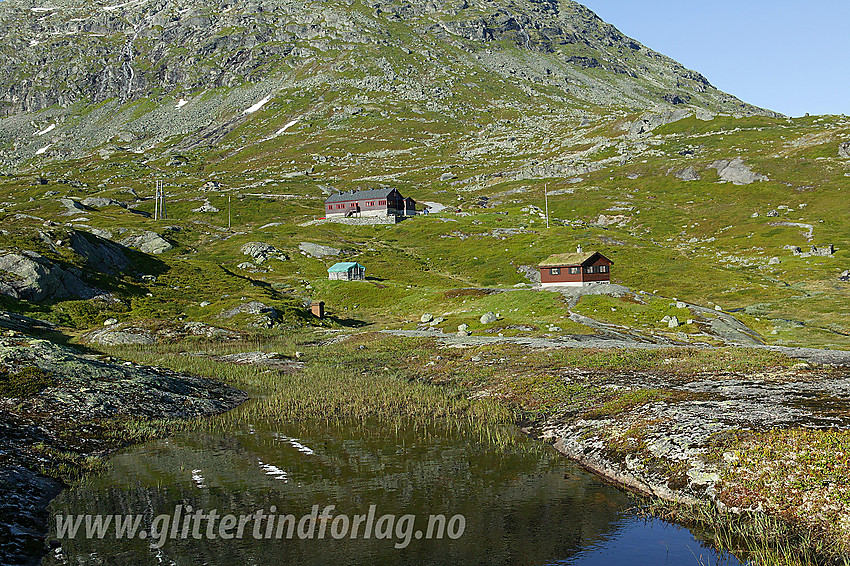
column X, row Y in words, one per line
column 388, row 201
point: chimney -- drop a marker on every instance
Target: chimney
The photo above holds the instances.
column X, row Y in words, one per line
column 579, row 250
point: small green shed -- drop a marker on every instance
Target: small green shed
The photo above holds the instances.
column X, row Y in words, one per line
column 347, row 271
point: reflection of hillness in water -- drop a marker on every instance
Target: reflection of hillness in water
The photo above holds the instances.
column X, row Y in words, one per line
column 523, row 504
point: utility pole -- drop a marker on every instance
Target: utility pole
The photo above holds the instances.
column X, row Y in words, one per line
column 546, row 197
column 159, row 202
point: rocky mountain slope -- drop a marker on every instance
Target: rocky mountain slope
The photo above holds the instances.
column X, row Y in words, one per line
column 80, row 75
column 527, row 128
column 250, row 114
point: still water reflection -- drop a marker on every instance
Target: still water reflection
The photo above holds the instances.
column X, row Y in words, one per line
column 522, row 505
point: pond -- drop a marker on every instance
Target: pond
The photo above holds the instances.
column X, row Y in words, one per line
column 424, row 495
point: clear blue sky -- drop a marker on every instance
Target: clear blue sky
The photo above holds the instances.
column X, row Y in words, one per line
column 789, row 56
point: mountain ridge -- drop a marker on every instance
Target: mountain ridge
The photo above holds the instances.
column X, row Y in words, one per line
column 127, row 58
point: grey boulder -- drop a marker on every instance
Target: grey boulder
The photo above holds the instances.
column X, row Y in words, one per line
column 72, row 207
column 261, row 252
column 147, row 242
column 100, row 202
column 102, row 254
column 737, row 172
column 206, row 207
column 687, row 174
column 487, row 318
column 32, row 277
column 317, row 250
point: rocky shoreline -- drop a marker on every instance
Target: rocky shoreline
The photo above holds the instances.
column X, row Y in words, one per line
column 752, row 438
column 678, row 430
column 694, row 446
column 61, row 410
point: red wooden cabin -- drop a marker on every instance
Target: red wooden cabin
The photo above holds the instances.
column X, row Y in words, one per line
column 575, row 270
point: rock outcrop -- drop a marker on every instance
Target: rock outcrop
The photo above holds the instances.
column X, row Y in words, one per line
column 261, row 252
column 265, row 316
column 155, row 332
column 72, row 207
column 102, row 254
column 52, row 275
column 79, row 396
column 736, row 171
column 100, row 202
column 674, row 432
column 29, row 276
column 652, row 120
column 530, row 272
column 317, row 250
column 147, row 242
column 687, row 174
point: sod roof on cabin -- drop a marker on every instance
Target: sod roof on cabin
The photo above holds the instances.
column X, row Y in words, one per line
column 566, row 260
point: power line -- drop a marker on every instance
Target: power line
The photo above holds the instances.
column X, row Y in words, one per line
column 159, row 212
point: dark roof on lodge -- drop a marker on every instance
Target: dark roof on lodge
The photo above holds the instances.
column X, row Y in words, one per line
column 566, row 260
column 359, row 195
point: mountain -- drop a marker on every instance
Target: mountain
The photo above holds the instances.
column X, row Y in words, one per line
column 251, row 113
column 142, row 73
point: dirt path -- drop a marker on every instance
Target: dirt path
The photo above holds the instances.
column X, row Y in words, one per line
column 811, row 355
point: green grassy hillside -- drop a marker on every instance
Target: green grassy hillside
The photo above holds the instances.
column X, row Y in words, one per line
column 481, row 107
column 698, row 241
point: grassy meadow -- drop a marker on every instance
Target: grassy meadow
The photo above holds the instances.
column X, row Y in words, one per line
column 704, row 241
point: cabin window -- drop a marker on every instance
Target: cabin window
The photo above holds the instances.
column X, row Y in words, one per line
column 575, row 270
column 589, row 269
column 382, row 202
column 555, row 271
column 603, row 269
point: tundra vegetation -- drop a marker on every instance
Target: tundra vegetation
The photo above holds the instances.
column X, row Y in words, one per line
column 709, row 208
column 762, row 512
